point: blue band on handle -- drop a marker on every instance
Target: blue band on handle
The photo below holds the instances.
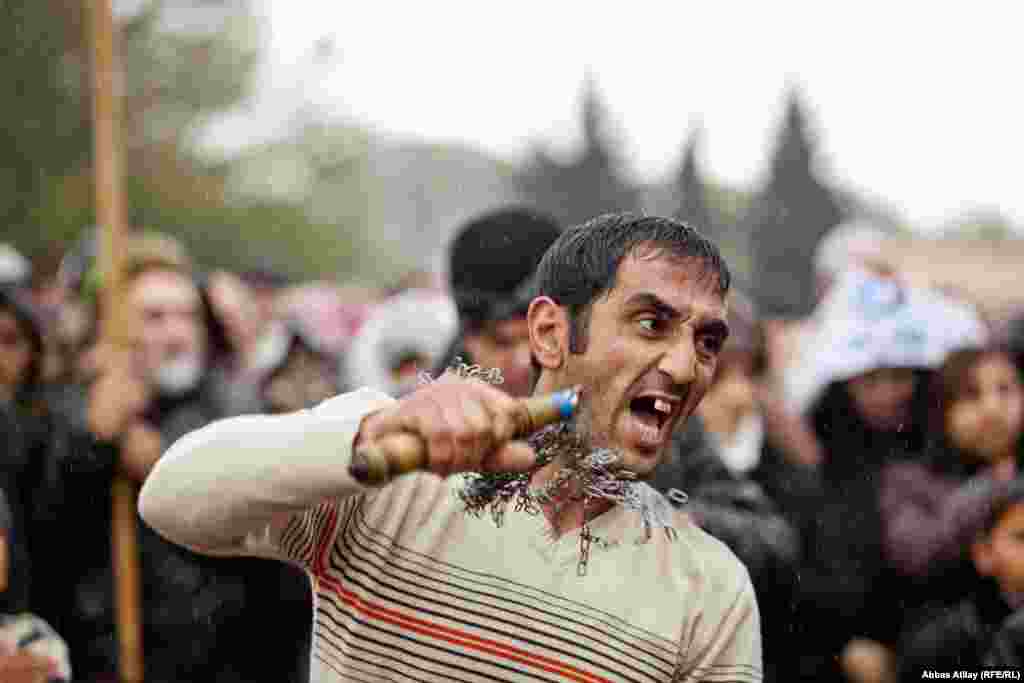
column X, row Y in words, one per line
column 566, row 402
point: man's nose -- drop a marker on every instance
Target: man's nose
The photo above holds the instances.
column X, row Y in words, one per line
column 679, row 362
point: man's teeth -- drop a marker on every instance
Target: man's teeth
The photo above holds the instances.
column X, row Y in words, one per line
column 662, row 406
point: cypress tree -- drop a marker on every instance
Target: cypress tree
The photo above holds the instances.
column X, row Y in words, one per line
column 791, row 214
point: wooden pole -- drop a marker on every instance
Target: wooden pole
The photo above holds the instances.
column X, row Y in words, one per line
column 110, row 216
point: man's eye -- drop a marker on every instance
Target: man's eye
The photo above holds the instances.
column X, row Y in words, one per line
column 712, row 343
column 650, row 325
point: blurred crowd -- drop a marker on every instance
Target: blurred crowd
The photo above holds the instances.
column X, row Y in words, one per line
column 862, row 462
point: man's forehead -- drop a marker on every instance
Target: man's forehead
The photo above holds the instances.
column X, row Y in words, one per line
column 679, row 282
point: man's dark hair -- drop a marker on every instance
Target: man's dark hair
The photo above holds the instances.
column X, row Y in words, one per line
column 584, row 261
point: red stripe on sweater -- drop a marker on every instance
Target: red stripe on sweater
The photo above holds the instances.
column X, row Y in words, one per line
column 456, row 637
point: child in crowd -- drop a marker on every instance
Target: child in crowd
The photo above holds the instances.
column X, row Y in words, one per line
column 987, row 627
column 929, row 507
column 867, row 405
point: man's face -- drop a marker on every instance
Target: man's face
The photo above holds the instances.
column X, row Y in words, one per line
column 652, row 347
column 15, row 355
column 169, row 326
column 504, row 345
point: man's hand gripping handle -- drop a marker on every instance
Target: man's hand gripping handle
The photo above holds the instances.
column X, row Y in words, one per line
column 380, row 461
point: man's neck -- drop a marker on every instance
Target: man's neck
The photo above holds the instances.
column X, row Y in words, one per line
column 564, row 513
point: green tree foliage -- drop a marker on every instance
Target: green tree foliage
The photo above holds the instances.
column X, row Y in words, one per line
column 712, row 209
column 589, row 185
column 790, row 215
column 183, row 62
column 44, row 121
column 981, row 225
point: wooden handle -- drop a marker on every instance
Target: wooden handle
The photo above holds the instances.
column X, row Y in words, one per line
column 127, row 573
column 382, row 460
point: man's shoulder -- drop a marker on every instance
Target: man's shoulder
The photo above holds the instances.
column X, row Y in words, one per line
column 700, row 552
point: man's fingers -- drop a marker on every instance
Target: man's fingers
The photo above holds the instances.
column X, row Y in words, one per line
column 514, row 456
column 503, row 409
column 464, row 425
column 434, row 424
column 478, row 433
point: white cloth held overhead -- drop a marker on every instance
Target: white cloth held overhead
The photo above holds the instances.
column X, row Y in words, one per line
column 868, row 322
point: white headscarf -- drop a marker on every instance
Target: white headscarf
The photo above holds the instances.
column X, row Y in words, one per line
column 868, row 322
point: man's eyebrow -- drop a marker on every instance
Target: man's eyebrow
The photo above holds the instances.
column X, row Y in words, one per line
column 653, row 301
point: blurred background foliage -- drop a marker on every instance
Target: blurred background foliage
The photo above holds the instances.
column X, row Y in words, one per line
column 330, row 198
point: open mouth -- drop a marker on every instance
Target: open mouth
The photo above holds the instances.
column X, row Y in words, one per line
column 652, row 411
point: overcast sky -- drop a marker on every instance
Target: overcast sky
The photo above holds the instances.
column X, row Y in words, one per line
column 917, row 104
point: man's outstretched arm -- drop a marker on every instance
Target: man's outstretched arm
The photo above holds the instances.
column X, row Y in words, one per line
column 250, row 485
column 234, row 486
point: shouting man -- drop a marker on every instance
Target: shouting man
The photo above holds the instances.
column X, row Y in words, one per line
column 410, row 587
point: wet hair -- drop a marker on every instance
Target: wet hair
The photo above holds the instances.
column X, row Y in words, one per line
column 583, row 263
column 946, row 388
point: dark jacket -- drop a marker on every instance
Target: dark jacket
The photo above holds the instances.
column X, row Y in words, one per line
column 35, row 435
column 737, row 512
column 12, row 462
column 845, row 588
column 979, row 630
column 205, row 619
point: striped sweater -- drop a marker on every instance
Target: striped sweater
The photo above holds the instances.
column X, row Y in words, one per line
column 410, row 588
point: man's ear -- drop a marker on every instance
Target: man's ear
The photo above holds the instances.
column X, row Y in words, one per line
column 549, row 332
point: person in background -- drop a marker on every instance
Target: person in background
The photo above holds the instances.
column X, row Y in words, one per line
column 986, row 627
column 44, row 439
column 490, row 265
column 30, row 650
column 404, row 336
column 234, row 306
column 303, row 376
column 265, row 284
column 929, row 508
column 21, row 347
column 868, row 407
column 196, row 610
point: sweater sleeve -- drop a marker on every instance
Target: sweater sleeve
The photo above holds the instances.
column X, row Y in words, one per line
column 259, row 485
